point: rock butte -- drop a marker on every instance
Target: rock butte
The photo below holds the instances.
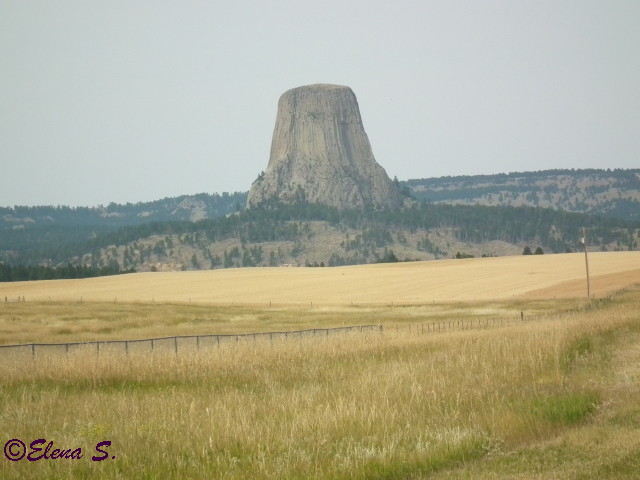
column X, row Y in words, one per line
column 320, row 152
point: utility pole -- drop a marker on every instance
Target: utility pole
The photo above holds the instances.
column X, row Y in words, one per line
column 586, row 262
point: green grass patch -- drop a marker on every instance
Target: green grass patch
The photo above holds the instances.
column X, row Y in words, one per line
column 578, row 349
column 565, row 409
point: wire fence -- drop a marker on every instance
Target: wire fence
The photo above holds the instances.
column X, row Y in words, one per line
column 180, row 343
column 186, row 343
column 457, row 324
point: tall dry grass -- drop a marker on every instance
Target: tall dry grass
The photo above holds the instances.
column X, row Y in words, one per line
column 58, row 322
column 391, row 405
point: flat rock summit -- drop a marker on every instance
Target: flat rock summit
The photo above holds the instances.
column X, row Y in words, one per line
column 320, row 152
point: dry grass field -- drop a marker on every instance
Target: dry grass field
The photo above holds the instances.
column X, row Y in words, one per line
column 555, row 396
column 544, row 276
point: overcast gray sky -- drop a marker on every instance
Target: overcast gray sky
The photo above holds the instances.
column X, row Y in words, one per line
column 136, row 100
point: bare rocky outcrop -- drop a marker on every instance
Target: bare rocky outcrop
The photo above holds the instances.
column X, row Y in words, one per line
column 320, row 152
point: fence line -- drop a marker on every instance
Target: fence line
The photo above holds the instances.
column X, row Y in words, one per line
column 182, row 342
column 468, row 323
column 455, row 324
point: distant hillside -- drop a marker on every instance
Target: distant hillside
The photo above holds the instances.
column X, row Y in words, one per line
column 613, row 193
column 306, row 234
column 449, row 217
column 31, row 235
column 185, row 207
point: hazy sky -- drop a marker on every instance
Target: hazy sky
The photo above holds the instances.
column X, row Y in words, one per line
column 136, row 100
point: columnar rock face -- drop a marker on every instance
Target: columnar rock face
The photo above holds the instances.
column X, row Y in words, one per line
column 321, row 152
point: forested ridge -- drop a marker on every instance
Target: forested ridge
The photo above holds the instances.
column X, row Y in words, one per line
column 373, row 235
column 22, row 273
column 555, row 229
column 53, row 234
column 184, row 207
column 613, row 193
column 216, row 231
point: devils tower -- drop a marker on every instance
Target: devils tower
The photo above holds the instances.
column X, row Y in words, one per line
column 320, row 152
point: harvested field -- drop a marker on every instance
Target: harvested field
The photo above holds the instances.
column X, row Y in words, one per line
column 477, row 279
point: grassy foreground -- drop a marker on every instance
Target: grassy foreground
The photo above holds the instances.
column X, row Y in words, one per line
column 554, row 398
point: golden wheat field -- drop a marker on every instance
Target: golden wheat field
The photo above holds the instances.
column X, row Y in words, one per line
column 556, row 395
column 543, row 276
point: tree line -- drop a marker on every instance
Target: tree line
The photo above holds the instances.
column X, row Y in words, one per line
column 22, row 273
column 557, row 231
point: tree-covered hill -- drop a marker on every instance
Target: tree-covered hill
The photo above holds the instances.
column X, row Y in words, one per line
column 613, row 193
column 30, row 234
column 185, row 207
column 309, row 234
column 447, row 218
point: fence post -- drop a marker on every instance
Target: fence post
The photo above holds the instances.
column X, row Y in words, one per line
column 126, row 347
column 175, row 344
column 33, row 350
